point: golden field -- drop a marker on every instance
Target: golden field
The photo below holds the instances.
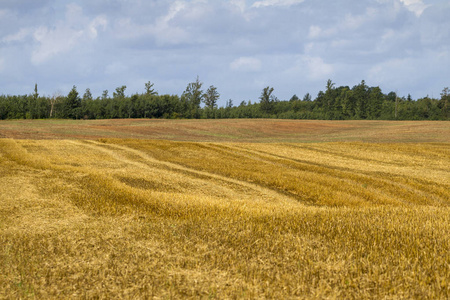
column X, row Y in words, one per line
column 165, row 219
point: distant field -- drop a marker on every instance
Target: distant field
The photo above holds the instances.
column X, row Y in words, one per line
column 242, row 130
column 239, row 209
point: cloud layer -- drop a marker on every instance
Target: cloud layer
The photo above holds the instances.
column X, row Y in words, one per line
column 237, row 45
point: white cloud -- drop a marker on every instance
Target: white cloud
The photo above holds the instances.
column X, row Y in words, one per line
column 416, row 6
column 276, row 3
column 237, row 45
column 246, row 64
column 98, row 22
column 53, row 41
column 66, row 35
column 317, row 68
column 240, row 4
column 314, row 31
column 17, row 37
column 166, row 33
column 349, row 22
column 174, row 9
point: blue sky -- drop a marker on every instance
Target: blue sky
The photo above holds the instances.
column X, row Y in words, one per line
column 238, row 46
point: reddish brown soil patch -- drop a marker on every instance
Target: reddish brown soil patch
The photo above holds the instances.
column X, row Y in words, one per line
column 242, row 130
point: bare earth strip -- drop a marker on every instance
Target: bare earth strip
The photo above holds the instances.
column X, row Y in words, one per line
column 243, row 130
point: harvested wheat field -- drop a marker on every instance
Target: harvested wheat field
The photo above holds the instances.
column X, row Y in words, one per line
column 243, row 212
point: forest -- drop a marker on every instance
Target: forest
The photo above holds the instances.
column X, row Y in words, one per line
column 334, row 103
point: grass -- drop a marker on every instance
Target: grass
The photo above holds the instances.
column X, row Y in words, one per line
column 138, row 218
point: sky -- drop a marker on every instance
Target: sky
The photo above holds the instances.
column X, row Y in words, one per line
column 239, row 46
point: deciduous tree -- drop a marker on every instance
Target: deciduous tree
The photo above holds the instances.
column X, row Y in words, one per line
column 120, row 92
column 193, row 97
column 210, row 99
column 267, row 99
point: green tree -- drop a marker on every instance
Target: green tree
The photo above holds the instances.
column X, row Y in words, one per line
column 131, row 106
column 210, row 99
column 267, row 100
column 4, row 107
column 87, row 96
column 225, row 112
column 120, row 92
column 53, row 103
column 340, row 101
column 443, row 103
column 35, row 94
column 329, row 99
column 33, row 105
column 360, row 94
column 307, row 97
column 375, row 103
column 72, row 105
column 149, row 90
column 193, row 97
column 295, row 103
column 87, row 105
column 424, row 108
column 392, row 96
column 105, row 95
column 294, row 98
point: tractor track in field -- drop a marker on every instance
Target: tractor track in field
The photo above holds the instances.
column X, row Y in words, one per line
column 342, row 173
column 148, row 161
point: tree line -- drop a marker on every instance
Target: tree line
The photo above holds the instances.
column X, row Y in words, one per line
column 334, row 103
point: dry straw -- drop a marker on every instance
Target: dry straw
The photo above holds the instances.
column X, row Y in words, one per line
column 160, row 219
